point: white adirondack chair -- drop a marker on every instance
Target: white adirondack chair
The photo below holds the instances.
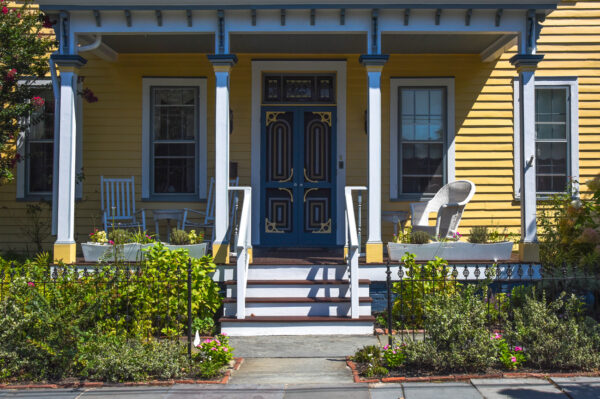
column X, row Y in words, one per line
column 205, row 220
column 118, row 204
column 449, row 203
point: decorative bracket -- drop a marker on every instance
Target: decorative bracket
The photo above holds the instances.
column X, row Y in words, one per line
column 272, row 116
column 287, row 190
column 271, row 227
column 325, row 117
column 325, row 228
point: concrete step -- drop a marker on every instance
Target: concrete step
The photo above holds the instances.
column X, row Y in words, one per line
column 298, row 288
column 297, row 272
column 293, row 325
column 297, row 306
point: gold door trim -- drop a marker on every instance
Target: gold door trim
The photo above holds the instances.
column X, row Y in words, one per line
column 325, row 117
column 271, row 227
column 272, row 116
column 307, row 178
column 308, row 191
column 288, row 179
column 287, row 190
column 325, row 228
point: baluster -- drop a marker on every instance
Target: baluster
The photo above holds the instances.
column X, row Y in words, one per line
column 359, row 227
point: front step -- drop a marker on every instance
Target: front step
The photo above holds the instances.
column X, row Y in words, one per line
column 297, row 272
column 297, row 306
column 298, row 288
column 292, row 325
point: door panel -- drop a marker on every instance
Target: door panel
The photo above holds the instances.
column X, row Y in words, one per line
column 298, row 174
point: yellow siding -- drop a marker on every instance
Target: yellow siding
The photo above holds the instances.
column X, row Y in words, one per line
column 484, row 120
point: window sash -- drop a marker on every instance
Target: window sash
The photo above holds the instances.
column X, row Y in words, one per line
column 154, row 142
column 415, row 115
column 46, row 125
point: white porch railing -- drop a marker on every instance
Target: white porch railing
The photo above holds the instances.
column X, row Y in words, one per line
column 353, row 245
column 243, row 246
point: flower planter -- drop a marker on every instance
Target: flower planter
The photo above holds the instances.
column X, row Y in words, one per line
column 452, row 250
column 194, row 250
column 96, row 252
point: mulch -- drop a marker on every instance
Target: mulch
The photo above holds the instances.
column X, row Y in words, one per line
column 461, row 377
column 99, row 384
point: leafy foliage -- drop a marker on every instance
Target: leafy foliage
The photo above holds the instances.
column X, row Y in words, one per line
column 479, row 235
column 24, row 49
column 419, row 237
column 570, row 228
column 213, row 355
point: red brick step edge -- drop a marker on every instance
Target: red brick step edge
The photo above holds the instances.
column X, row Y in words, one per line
column 462, row 377
column 90, row 384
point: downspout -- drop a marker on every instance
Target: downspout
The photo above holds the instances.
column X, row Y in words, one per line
column 56, row 92
column 92, row 46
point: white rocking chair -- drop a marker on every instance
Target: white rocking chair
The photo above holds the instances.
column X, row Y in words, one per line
column 206, row 219
column 118, row 204
column 449, row 203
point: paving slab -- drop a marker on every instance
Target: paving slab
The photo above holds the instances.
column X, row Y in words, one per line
column 227, row 392
column 68, row 393
column 322, row 346
column 580, row 387
column 386, row 391
column 292, row 371
column 517, row 388
column 126, row 392
column 337, row 391
column 427, row 390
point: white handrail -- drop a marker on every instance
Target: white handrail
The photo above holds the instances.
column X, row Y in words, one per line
column 242, row 248
column 353, row 250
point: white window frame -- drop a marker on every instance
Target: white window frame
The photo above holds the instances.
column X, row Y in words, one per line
column 571, row 83
column 201, row 160
column 22, row 171
column 449, row 156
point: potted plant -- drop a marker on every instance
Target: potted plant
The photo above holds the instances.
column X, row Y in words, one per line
column 118, row 245
column 192, row 241
column 413, row 242
column 484, row 244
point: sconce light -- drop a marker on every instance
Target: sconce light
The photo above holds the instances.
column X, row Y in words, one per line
column 230, row 121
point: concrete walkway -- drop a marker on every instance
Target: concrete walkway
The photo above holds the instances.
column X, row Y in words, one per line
column 562, row 388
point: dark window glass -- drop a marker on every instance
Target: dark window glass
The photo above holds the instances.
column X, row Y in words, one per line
column 422, row 124
column 40, row 146
column 551, row 133
column 174, row 136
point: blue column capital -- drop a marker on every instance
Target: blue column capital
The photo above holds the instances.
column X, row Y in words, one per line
column 228, row 60
column 526, row 61
column 374, row 59
column 68, row 60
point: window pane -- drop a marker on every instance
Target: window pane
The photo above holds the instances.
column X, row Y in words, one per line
column 421, row 166
column 408, row 128
column 435, row 102
column 40, row 167
column 174, row 175
column 422, row 127
column 551, row 158
column 174, row 150
column 174, row 123
column 551, row 113
column 422, row 102
column 408, row 101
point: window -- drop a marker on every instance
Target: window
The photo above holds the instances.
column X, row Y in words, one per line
column 556, row 134
column 39, row 147
column 174, row 162
column 422, row 125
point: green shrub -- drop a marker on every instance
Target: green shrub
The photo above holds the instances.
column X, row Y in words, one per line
column 555, row 334
column 212, row 356
column 179, row 237
column 120, row 236
column 372, row 357
column 419, row 237
column 411, row 293
column 204, row 326
column 457, row 337
column 479, row 235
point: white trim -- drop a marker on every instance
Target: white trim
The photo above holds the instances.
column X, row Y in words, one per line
column 258, row 67
column 396, row 83
column 201, row 167
column 573, row 140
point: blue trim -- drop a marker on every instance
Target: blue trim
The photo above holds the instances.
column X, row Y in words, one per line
column 68, row 60
column 298, row 238
column 222, row 59
column 516, row 6
column 526, row 60
column 373, row 59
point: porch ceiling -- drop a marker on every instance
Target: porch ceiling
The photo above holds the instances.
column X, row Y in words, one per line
column 447, row 43
column 163, row 43
column 332, row 43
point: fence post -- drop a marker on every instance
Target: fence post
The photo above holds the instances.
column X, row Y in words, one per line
column 388, row 280
column 189, row 307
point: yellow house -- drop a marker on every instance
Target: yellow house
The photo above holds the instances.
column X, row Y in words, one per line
column 299, row 102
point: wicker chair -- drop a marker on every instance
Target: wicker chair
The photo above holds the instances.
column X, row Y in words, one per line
column 449, row 203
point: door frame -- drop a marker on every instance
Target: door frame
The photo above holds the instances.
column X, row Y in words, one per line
column 300, row 66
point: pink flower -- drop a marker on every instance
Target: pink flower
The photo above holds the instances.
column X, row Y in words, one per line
column 224, row 334
column 497, row 336
column 37, row 101
column 213, row 349
column 518, row 349
column 18, row 15
column 394, row 352
column 4, row 10
column 225, row 349
column 207, row 341
column 513, row 359
column 10, row 75
column 218, row 342
column 111, row 242
column 31, row 284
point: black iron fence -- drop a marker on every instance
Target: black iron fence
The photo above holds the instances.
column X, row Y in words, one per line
column 501, row 287
column 129, row 299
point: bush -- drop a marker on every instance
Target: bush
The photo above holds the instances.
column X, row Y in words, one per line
column 479, row 235
column 371, row 357
column 213, row 355
column 419, row 237
column 555, row 334
column 120, row 236
column 179, row 237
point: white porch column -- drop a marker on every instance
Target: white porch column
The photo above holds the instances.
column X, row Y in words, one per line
column 65, row 246
column 374, row 65
column 526, row 65
column 222, row 64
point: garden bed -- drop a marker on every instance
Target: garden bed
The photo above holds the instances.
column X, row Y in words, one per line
column 73, row 383
column 358, row 368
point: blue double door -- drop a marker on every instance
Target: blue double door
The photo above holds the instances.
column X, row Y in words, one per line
column 298, row 174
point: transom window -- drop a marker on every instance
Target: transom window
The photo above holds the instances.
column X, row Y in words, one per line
column 551, row 133
column 174, row 139
column 39, row 147
column 422, row 124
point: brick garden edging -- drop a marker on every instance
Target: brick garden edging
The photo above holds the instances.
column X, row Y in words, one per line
column 99, row 384
column 462, row 377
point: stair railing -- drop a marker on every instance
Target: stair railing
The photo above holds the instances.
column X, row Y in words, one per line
column 353, row 245
column 243, row 248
